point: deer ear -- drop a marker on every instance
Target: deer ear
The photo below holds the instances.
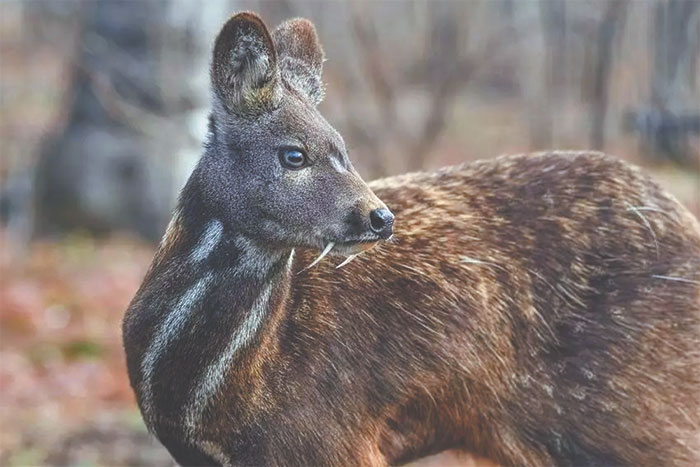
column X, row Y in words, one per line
column 244, row 70
column 300, row 57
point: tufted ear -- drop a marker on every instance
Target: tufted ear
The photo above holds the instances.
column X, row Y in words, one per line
column 244, row 71
column 300, row 57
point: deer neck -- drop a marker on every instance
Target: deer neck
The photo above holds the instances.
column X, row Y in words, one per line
column 207, row 299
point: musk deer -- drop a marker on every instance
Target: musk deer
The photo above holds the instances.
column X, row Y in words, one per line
column 534, row 309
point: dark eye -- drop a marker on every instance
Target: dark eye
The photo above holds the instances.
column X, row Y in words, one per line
column 293, row 158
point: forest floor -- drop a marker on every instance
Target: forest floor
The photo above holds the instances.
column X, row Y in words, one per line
column 66, row 398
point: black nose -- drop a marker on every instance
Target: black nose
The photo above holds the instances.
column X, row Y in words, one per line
column 381, row 221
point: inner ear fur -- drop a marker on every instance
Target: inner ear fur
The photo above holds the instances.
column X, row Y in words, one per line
column 300, row 57
column 244, row 70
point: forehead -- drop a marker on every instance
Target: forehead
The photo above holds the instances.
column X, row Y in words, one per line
column 300, row 120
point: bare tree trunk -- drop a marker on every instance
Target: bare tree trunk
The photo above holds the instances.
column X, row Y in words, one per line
column 672, row 19
column 672, row 116
column 553, row 18
column 611, row 25
column 93, row 174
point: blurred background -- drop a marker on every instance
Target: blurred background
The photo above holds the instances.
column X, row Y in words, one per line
column 103, row 114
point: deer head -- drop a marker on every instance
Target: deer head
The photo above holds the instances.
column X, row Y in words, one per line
column 276, row 170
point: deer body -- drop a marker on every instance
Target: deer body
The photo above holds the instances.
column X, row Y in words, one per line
column 537, row 309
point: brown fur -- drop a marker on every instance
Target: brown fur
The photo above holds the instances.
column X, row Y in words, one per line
column 464, row 342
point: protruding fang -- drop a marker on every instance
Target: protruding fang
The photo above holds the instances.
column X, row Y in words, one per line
column 348, row 259
column 325, row 251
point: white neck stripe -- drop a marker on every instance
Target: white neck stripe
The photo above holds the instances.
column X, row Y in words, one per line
column 169, row 329
column 215, row 374
column 207, row 241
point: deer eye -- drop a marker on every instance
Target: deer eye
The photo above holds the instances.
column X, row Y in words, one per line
column 292, row 158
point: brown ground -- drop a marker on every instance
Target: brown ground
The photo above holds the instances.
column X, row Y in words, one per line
column 65, row 394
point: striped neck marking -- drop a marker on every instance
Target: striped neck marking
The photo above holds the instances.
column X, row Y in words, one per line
column 175, row 321
column 214, row 376
column 251, row 261
column 207, row 242
column 167, row 332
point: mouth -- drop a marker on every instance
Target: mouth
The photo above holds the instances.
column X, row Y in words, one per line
column 353, row 246
column 348, row 248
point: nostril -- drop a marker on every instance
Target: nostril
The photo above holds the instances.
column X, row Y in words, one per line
column 376, row 220
column 381, row 222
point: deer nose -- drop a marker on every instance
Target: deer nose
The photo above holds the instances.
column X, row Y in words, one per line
column 381, row 221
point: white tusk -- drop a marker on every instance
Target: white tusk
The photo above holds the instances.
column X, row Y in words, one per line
column 325, row 251
column 348, row 259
